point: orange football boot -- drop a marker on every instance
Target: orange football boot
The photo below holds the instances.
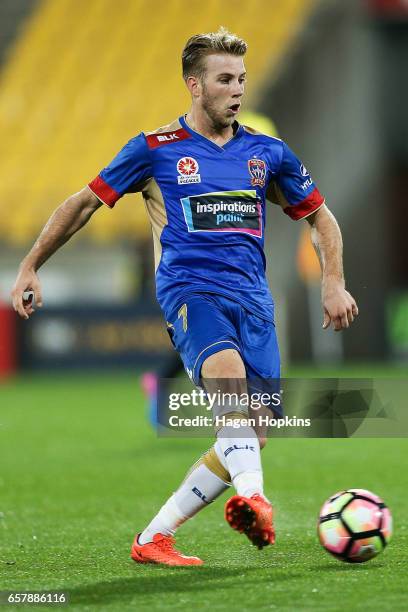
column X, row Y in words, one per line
column 161, row 550
column 252, row 516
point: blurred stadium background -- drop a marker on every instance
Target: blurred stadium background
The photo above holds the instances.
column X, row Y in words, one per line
column 80, row 467
column 77, row 80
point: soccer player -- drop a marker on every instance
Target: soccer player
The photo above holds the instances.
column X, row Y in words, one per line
column 205, row 179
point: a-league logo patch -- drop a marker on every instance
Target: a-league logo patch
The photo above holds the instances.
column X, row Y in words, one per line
column 187, row 167
column 257, row 170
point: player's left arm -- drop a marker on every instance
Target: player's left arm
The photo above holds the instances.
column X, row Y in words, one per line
column 294, row 190
column 339, row 306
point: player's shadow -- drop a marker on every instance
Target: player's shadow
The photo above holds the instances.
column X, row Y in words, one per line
column 347, row 567
column 181, row 580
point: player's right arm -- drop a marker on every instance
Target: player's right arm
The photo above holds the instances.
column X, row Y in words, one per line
column 65, row 221
column 127, row 173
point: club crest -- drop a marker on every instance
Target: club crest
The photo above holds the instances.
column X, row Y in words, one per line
column 257, row 170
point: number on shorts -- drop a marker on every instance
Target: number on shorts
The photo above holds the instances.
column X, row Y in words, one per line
column 183, row 313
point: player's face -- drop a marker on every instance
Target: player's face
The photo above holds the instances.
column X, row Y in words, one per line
column 222, row 88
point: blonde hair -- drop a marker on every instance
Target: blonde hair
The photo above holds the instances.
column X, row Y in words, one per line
column 201, row 45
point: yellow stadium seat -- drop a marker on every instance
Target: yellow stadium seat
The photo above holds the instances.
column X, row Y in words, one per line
column 84, row 77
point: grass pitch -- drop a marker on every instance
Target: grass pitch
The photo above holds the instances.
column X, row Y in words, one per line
column 81, row 471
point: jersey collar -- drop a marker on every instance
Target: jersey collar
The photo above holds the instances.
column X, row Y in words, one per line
column 238, row 133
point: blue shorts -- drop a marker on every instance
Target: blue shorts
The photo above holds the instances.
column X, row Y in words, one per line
column 207, row 323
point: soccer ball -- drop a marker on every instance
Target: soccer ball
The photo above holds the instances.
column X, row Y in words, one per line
column 354, row 525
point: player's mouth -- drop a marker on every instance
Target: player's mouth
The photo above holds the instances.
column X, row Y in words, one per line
column 235, row 108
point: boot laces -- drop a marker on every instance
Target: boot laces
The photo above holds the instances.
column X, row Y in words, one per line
column 166, row 543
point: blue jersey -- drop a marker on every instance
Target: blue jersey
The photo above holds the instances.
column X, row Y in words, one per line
column 206, row 205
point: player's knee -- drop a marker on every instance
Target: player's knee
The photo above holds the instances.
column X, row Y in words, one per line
column 224, row 364
column 262, row 442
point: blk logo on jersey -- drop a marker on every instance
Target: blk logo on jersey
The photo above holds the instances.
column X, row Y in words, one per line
column 224, row 211
column 164, row 138
column 257, row 170
column 187, row 167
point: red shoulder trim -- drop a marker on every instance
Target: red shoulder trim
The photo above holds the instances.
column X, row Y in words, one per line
column 304, row 208
column 163, row 138
column 104, row 192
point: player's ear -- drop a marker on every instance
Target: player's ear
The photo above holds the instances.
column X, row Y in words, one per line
column 194, row 86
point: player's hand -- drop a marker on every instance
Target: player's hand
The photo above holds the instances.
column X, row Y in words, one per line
column 339, row 306
column 27, row 281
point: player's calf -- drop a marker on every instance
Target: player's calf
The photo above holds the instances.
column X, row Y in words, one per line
column 262, row 442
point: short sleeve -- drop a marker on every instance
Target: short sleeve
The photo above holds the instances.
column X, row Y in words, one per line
column 293, row 188
column 126, row 173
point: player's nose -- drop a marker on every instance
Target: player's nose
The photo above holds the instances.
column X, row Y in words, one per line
column 236, row 97
column 238, row 89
